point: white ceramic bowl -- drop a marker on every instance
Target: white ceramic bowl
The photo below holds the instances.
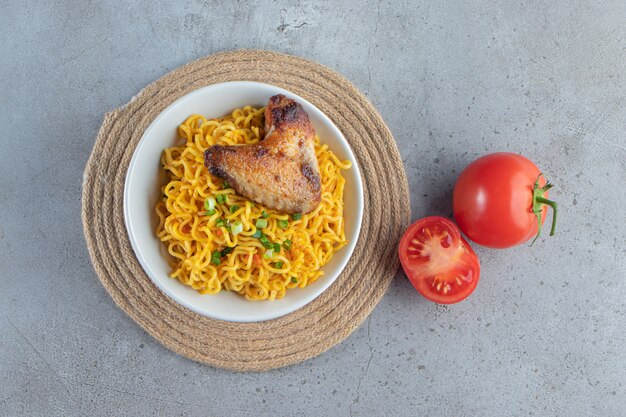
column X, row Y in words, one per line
column 145, row 178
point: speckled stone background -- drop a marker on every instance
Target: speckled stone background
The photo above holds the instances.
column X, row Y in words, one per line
column 545, row 331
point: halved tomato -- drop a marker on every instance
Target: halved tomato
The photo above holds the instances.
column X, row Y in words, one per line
column 440, row 264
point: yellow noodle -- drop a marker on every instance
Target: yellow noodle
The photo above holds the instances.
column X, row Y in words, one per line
column 192, row 236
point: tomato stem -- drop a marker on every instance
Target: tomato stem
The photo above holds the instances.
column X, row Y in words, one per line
column 538, row 202
column 554, row 205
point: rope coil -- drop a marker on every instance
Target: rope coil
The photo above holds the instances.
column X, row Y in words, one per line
column 298, row 336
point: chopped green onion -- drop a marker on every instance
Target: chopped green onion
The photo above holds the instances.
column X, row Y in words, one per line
column 257, row 234
column 220, row 223
column 226, row 184
column 237, row 227
column 215, row 257
column 234, row 208
column 294, row 280
column 221, row 198
column 283, row 224
column 268, row 253
column 296, row 216
column 227, row 250
column 287, row 244
column 279, row 264
column 264, row 214
column 207, row 213
column 266, row 242
column 261, row 223
column 276, row 247
column 230, row 229
column 209, row 203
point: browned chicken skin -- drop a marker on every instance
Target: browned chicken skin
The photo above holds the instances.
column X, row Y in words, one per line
column 280, row 171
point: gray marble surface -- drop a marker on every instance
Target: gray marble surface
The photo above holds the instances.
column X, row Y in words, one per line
column 544, row 333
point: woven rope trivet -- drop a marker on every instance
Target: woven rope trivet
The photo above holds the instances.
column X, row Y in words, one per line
column 306, row 332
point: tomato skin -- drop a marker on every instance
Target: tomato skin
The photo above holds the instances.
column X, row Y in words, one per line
column 438, row 262
column 493, row 198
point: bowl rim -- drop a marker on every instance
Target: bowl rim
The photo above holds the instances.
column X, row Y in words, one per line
column 349, row 247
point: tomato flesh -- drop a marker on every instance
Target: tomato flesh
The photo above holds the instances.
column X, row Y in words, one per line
column 438, row 261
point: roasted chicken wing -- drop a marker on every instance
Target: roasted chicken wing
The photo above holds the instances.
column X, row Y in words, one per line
column 280, row 171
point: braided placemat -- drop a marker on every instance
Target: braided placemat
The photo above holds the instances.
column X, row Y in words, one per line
column 297, row 336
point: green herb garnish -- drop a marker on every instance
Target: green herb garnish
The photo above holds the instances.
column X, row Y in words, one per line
column 237, row 227
column 215, row 257
column 209, row 203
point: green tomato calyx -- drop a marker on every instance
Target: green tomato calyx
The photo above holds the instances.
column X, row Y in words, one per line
column 538, row 202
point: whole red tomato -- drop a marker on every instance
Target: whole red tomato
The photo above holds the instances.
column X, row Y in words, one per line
column 500, row 200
